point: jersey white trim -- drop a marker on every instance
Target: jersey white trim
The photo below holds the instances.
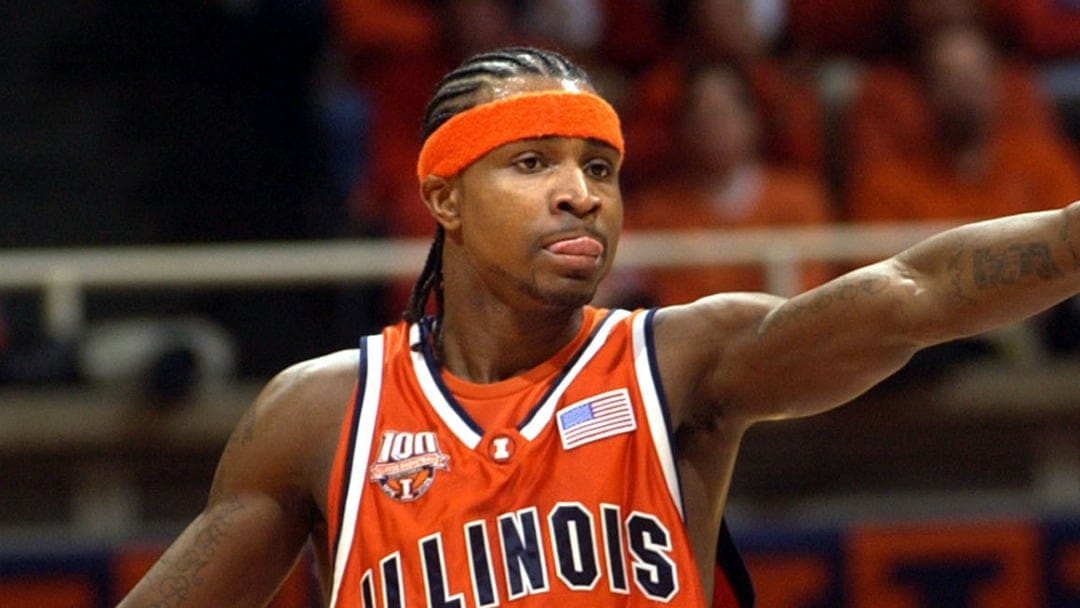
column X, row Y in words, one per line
column 357, row 474
column 654, row 411
column 546, row 411
column 435, row 396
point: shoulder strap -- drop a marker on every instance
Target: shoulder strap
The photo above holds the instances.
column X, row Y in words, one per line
column 358, row 449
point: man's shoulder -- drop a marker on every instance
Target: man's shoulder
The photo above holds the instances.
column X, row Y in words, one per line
column 726, row 309
column 323, row 368
column 311, row 390
column 325, row 384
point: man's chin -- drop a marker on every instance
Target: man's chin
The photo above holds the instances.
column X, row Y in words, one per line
column 571, row 300
column 574, row 296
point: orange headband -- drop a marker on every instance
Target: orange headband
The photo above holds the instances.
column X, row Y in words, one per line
column 467, row 136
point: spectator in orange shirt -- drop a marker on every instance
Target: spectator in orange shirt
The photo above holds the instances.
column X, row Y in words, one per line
column 890, row 115
column 976, row 160
column 723, row 31
column 721, row 181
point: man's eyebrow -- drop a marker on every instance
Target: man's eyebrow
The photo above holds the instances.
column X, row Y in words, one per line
column 601, row 143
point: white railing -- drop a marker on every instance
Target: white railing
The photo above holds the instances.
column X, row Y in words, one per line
column 63, row 275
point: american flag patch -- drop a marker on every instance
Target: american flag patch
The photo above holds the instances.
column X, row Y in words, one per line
column 595, row 418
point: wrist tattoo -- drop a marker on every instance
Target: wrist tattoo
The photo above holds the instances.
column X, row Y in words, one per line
column 955, row 271
column 1070, row 233
column 992, row 267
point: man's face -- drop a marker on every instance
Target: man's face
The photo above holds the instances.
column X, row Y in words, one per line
column 960, row 76
column 719, row 128
column 540, row 218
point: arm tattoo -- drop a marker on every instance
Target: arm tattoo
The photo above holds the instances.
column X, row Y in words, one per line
column 247, row 427
column 241, row 436
column 1006, row 265
column 954, row 267
column 175, row 586
column 839, row 292
column 1070, row 234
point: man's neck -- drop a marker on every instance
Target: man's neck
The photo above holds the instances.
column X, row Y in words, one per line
column 489, row 346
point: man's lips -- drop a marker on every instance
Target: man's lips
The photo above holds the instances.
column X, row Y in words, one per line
column 580, row 246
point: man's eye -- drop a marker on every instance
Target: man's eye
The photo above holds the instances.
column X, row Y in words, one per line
column 528, row 163
column 598, row 169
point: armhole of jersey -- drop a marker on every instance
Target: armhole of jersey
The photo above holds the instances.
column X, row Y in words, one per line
column 656, row 409
column 356, row 453
column 736, row 579
column 730, row 564
column 343, row 453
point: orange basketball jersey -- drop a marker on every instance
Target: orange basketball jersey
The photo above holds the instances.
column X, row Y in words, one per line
column 574, row 501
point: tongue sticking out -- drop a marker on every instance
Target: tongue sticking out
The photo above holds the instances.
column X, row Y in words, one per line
column 580, row 246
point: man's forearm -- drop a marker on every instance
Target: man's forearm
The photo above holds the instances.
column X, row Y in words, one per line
column 982, row 275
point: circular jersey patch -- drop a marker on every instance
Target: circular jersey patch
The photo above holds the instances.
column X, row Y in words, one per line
column 502, row 448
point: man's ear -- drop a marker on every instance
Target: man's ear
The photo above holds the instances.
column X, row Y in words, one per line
column 442, row 199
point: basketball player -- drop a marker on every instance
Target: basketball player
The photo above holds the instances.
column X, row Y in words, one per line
column 517, row 447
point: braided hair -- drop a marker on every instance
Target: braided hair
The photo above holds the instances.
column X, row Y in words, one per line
column 456, row 93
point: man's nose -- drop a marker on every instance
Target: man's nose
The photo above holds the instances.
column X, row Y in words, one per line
column 572, row 194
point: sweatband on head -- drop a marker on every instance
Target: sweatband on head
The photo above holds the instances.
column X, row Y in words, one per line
column 467, row 136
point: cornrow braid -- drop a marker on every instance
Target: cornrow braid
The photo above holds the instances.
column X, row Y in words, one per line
column 456, row 93
column 430, row 279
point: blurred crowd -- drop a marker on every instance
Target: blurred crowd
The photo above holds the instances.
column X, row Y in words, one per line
column 737, row 113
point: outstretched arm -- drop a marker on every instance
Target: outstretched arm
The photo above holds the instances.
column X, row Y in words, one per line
column 751, row 356
column 993, row 273
column 259, row 514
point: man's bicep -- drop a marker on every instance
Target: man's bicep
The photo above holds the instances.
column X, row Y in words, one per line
column 826, row 346
column 235, row 553
column 761, row 356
